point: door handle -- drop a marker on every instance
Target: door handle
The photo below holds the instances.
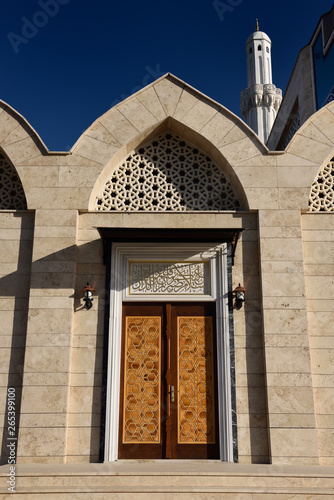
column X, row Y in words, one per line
column 172, row 394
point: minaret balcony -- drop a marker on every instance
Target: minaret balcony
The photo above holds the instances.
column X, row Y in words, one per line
column 260, row 95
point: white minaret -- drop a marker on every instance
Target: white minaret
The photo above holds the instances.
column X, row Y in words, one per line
column 259, row 103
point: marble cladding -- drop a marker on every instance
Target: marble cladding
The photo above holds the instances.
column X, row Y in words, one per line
column 16, row 229
column 282, row 345
column 318, row 239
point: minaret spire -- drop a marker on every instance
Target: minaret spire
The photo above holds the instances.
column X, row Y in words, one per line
column 259, row 103
column 257, row 25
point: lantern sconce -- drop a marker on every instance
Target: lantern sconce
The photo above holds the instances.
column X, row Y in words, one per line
column 239, row 293
column 88, row 295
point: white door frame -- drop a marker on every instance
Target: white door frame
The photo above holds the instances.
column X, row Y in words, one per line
column 216, row 255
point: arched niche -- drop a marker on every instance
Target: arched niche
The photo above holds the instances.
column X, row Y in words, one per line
column 321, row 198
column 172, row 169
column 12, row 196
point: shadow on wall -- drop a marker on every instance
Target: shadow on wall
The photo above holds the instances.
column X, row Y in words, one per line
column 49, row 328
column 15, row 290
column 256, row 388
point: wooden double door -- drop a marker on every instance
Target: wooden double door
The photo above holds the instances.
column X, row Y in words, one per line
column 168, row 400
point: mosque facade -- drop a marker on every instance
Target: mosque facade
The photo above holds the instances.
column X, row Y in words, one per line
column 167, row 301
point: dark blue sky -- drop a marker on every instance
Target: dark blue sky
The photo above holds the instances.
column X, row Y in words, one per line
column 65, row 62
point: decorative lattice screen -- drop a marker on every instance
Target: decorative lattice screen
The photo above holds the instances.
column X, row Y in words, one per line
column 322, row 190
column 11, row 191
column 168, row 174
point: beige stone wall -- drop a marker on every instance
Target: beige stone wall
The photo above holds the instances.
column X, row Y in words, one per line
column 86, row 357
column 252, row 423
column 290, row 402
column 16, row 235
column 281, row 416
column 47, row 355
column 318, row 246
column 84, row 411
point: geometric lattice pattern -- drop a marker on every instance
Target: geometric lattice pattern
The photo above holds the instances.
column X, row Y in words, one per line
column 322, row 190
column 141, row 409
column 11, row 191
column 196, row 416
column 168, row 174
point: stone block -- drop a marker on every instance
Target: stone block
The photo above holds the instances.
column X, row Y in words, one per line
column 148, row 98
column 323, row 360
column 217, row 127
column 187, row 100
column 43, row 399
column 326, row 442
column 86, row 360
column 37, row 176
column 95, row 150
column 321, row 221
column 47, row 339
column 88, row 398
column 300, row 443
column 41, row 420
column 284, row 284
column 324, row 400
column 253, row 441
column 50, row 321
column 84, row 420
column 238, row 151
column 118, row 126
column 280, row 321
column 296, row 177
column 83, row 441
column 279, row 218
column 276, row 249
column 322, row 380
column 137, row 114
column 292, row 420
column 251, row 400
column 42, row 443
column 198, row 116
column 47, row 359
column 169, row 93
column 288, row 360
column 22, row 150
column 290, row 400
column 100, row 133
column 256, row 177
column 62, row 217
column 46, row 379
column 308, row 148
column 249, row 361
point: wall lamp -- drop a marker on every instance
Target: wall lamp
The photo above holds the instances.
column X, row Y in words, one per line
column 88, row 295
column 239, row 294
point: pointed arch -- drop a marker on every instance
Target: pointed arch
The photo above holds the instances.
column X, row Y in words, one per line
column 12, row 196
column 167, row 174
column 313, row 147
column 321, row 197
column 172, row 184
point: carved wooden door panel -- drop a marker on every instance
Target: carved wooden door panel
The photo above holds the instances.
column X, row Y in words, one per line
column 168, row 382
column 194, row 415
